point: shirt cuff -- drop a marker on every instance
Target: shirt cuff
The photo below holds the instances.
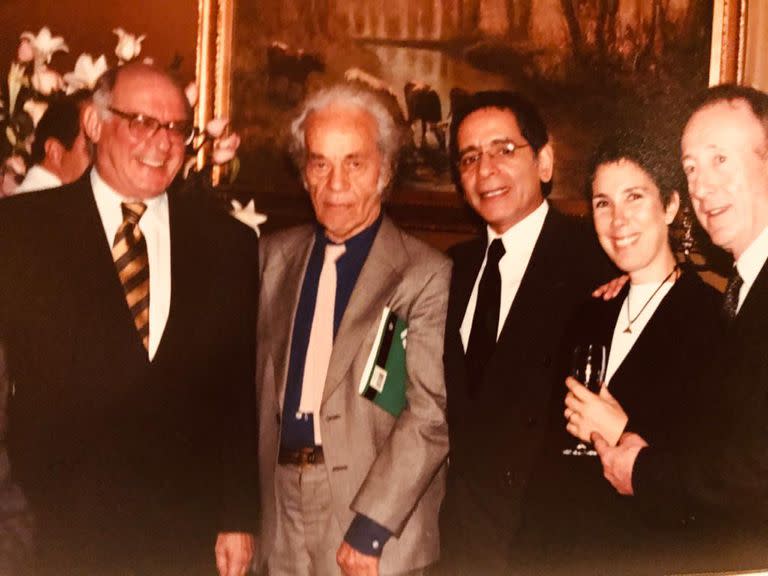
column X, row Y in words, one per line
column 366, row 536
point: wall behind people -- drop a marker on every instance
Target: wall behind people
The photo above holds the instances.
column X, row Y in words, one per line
column 87, row 26
column 756, row 65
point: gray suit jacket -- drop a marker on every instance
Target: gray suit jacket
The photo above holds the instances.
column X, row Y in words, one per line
column 392, row 470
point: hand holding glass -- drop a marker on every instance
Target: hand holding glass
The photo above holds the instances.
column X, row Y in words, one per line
column 588, row 367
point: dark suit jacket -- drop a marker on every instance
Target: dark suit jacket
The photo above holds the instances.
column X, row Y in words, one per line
column 654, row 385
column 497, row 425
column 725, row 466
column 123, row 459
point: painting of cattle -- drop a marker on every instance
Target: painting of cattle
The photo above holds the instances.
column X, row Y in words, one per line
column 588, row 64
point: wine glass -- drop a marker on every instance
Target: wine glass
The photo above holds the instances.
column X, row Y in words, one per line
column 588, row 367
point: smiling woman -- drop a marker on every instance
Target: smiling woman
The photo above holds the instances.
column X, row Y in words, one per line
column 656, row 333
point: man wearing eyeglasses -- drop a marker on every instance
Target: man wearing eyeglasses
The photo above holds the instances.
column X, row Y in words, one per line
column 512, row 292
column 129, row 317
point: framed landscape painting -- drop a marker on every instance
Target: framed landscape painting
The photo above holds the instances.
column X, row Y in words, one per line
column 590, row 65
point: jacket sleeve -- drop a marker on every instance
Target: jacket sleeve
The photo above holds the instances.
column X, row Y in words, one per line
column 418, row 444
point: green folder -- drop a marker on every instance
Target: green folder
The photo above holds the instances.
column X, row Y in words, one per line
column 385, row 378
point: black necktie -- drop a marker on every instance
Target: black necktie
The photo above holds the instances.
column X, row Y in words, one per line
column 485, row 324
column 731, row 298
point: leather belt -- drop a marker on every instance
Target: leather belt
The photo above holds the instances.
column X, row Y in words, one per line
column 301, row 457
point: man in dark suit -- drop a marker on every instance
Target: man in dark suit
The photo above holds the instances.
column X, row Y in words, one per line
column 129, row 323
column 512, row 292
column 724, row 465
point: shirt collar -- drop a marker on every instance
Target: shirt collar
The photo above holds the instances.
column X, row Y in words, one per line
column 109, row 198
column 753, row 258
column 524, row 233
column 360, row 241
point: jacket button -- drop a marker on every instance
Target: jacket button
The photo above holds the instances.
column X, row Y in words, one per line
column 508, row 478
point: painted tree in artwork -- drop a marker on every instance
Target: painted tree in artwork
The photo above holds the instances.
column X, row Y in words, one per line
column 493, row 18
column 632, row 34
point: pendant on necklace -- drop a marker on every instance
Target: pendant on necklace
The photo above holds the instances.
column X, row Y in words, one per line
column 628, row 329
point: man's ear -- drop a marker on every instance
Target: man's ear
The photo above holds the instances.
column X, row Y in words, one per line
column 92, row 122
column 546, row 161
column 54, row 151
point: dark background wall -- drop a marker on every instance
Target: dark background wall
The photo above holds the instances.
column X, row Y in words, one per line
column 170, row 26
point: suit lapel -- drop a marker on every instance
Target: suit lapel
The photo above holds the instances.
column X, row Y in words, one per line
column 283, row 289
column 186, row 255
column 754, row 309
column 93, row 271
column 540, row 280
column 466, row 267
column 372, row 292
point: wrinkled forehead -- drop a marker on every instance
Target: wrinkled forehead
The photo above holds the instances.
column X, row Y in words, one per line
column 723, row 119
column 340, row 126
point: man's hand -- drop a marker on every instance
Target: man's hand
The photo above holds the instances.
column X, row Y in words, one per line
column 588, row 413
column 354, row 563
column 234, row 552
column 618, row 461
column 610, row 290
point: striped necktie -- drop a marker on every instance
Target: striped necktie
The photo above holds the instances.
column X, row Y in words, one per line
column 129, row 251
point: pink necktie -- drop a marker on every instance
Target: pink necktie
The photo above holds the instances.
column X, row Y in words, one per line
column 320, row 339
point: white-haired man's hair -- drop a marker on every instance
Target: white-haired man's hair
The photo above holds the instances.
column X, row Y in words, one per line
column 391, row 136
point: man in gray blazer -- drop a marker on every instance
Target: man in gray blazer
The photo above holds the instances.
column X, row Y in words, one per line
column 345, row 485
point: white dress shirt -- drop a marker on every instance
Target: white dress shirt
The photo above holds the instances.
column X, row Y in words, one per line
column 156, row 230
column 518, row 242
column 751, row 262
column 622, row 343
column 38, row 178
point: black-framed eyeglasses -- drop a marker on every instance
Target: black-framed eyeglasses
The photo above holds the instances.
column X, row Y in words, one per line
column 142, row 126
column 496, row 150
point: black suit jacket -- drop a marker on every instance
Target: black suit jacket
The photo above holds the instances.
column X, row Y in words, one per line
column 497, row 425
column 655, row 386
column 725, row 465
column 123, row 459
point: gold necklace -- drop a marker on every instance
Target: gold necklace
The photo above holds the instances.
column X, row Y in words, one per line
column 630, row 320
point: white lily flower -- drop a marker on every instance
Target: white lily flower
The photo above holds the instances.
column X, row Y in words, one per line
column 216, row 127
column 36, row 109
column 45, row 45
column 247, row 215
column 192, row 93
column 86, row 72
column 16, row 79
column 25, row 52
column 128, row 45
column 46, row 81
column 17, row 164
column 225, row 149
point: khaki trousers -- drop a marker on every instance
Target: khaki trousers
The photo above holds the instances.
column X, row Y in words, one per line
column 308, row 534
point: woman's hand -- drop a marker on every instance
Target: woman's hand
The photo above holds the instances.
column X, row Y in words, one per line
column 587, row 413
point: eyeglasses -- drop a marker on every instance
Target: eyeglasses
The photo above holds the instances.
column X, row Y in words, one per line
column 497, row 150
column 142, row 127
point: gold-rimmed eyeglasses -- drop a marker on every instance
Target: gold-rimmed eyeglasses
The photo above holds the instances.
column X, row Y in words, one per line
column 142, row 127
column 496, row 150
